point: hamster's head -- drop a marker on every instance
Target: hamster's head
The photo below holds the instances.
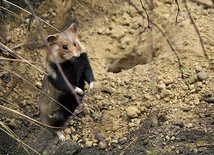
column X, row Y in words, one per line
column 65, row 46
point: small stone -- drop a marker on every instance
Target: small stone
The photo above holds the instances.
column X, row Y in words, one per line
column 115, row 141
column 67, row 137
column 201, row 143
column 100, row 31
column 67, row 131
column 102, row 145
column 202, row 75
column 168, row 80
column 161, row 85
column 164, row 93
column 44, row 15
column 131, row 124
column 75, row 138
column 172, row 138
column 38, row 84
column 167, row 137
column 132, row 112
column 189, row 125
column 207, row 114
column 198, row 69
column 99, row 136
column 186, row 108
column 6, row 77
column 53, row 14
column 180, row 124
column 88, row 144
column 199, row 84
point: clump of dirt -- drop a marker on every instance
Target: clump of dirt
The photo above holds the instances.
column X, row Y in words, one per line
column 140, row 103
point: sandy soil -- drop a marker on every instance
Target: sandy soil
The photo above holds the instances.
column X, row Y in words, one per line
column 142, row 103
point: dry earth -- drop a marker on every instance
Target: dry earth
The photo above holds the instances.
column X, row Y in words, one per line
column 141, row 103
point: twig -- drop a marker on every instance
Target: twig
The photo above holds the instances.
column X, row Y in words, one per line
column 31, row 14
column 197, row 31
column 27, row 117
column 178, row 11
column 202, row 3
column 12, row 13
column 18, row 60
column 83, row 7
column 145, row 12
column 9, row 132
column 123, row 151
column 11, row 52
column 168, row 41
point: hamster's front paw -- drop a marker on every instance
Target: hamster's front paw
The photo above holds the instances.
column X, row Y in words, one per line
column 91, row 85
column 79, row 91
column 61, row 136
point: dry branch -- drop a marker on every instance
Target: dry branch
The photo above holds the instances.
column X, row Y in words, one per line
column 202, row 3
column 165, row 36
column 197, row 31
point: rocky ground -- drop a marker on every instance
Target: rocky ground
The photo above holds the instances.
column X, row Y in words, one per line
column 142, row 103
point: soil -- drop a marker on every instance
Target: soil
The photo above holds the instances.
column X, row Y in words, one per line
column 144, row 101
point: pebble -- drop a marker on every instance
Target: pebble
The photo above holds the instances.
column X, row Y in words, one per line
column 164, row 93
column 172, row 138
column 99, row 136
column 75, row 138
column 38, row 84
column 132, row 112
column 115, row 141
column 186, row 108
column 102, row 145
column 202, row 75
column 180, row 124
column 67, row 131
column 198, row 69
column 199, row 84
column 161, row 85
column 131, row 124
column 44, row 15
column 6, row 77
column 207, row 114
column 189, row 125
column 168, row 80
column 88, row 144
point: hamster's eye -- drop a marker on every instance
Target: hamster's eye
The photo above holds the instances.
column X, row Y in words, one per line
column 65, row 47
column 74, row 44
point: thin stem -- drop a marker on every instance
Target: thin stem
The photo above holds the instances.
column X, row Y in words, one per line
column 197, row 31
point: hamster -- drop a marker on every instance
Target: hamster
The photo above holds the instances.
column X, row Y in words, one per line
column 72, row 56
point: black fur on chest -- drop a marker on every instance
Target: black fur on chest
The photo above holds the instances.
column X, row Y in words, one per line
column 77, row 70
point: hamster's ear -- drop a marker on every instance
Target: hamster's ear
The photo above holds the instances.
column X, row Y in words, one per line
column 73, row 28
column 52, row 38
